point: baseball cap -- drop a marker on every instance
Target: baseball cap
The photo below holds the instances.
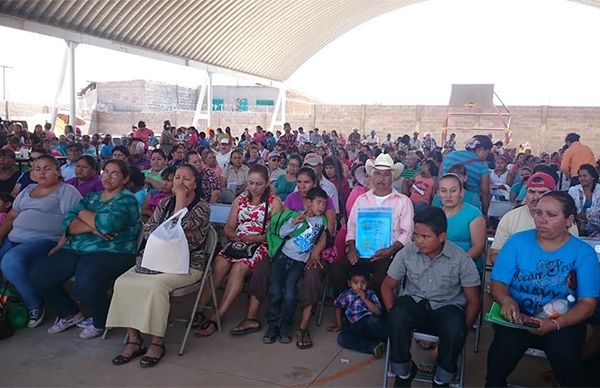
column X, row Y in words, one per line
column 313, row 159
column 541, row 179
column 224, row 141
column 274, row 154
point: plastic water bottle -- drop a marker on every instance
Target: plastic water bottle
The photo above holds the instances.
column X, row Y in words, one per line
column 555, row 308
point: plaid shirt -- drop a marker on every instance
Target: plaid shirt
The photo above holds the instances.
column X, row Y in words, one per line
column 429, row 143
column 354, row 308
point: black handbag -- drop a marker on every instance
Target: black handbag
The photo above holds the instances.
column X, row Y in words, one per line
column 238, row 250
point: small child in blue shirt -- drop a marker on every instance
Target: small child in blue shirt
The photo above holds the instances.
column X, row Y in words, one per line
column 363, row 328
column 302, row 248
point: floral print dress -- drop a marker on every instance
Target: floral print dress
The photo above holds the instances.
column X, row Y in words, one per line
column 250, row 222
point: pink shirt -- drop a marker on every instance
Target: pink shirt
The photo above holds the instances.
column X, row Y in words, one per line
column 402, row 210
column 354, row 194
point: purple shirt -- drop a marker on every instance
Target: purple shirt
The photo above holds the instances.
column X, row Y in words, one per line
column 84, row 188
column 294, row 201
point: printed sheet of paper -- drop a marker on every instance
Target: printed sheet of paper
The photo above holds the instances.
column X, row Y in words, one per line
column 373, row 230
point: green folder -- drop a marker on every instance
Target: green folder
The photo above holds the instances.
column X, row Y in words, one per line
column 494, row 316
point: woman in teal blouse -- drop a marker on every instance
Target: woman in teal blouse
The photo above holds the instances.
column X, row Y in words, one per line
column 98, row 246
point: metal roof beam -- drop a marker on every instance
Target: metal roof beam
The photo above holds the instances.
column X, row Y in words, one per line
column 39, row 28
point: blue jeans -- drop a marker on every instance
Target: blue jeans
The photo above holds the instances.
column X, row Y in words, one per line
column 364, row 334
column 94, row 274
column 285, row 274
column 16, row 261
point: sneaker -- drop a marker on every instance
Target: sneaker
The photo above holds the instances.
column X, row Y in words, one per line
column 379, row 350
column 406, row 382
column 90, row 332
column 285, row 335
column 271, row 334
column 86, row 323
column 62, row 324
column 36, row 317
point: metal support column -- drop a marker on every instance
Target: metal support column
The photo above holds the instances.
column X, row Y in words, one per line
column 72, row 92
column 205, row 95
column 279, row 108
column 209, row 98
column 59, row 86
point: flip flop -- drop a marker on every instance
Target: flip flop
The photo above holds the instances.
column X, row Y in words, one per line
column 303, row 340
column 205, row 326
column 122, row 360
column 237, row 331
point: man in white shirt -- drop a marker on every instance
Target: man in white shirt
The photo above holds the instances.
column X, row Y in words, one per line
column 372, row 140
column 521, row 218
column 224, row 155
column 302, row 136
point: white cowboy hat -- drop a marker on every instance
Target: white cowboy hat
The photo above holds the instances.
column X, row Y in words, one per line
column 384, row 162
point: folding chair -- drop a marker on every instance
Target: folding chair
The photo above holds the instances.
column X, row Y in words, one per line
column 322, row 303
column 198, row 287
column 479, row 322
column 227, row 196
column 459, row 378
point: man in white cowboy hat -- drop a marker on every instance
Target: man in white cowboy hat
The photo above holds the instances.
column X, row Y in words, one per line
column 382, row 171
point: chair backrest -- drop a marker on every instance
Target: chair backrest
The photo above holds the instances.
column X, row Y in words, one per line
column 227, row 196
column 140, row 238
column 219, row 213
column 594, row 243
column 499, row 208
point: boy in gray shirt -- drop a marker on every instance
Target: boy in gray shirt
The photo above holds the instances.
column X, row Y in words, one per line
column 304, row 241
column 440, row 296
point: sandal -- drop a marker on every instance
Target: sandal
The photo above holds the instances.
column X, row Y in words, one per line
column 122, row 360
column 205, row 326
column 151, row 362
column 238, row 330
column 303, row 340
column 198, row 320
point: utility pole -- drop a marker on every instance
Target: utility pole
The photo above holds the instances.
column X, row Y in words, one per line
column 4, row 67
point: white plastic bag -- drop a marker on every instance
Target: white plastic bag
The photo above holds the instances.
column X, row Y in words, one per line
column 167, row 247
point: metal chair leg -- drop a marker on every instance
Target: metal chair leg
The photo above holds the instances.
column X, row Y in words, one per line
column 386, row 365
column 322, row 304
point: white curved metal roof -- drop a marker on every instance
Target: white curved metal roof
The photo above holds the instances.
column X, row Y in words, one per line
column 265, row 38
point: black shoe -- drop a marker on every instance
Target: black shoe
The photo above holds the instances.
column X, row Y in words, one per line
column 271, row 334
column 398, row 382
column 285, row 335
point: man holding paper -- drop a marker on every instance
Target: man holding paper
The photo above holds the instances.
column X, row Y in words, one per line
column 379, row 225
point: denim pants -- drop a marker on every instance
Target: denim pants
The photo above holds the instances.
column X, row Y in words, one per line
column 447, row 323
column 364, row 334
column 562, row 348
column 94, row 274
column 16, row 261
column 285, row 274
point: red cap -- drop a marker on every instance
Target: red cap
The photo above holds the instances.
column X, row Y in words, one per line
column 541, row 179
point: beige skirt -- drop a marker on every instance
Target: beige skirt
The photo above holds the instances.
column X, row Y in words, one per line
column 141, row 301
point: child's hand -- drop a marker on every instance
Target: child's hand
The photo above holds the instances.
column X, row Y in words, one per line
column 334, row 328
column 299, row 219
column 360, row 293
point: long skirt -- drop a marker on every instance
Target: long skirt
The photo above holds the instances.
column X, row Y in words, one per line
column 141, row 301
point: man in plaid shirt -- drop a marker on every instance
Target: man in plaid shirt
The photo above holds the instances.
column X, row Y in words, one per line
column 428, row 142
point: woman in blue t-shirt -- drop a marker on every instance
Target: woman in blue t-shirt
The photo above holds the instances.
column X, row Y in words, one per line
column 533, row 268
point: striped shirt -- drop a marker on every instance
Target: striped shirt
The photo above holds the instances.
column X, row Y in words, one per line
column 476, row 168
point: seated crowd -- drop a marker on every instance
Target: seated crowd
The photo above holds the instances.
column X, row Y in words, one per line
column 400, row 227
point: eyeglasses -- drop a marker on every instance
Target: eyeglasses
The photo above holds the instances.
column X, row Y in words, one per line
column 111, row 175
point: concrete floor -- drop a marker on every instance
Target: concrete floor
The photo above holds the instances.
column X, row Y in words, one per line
column 34, row 358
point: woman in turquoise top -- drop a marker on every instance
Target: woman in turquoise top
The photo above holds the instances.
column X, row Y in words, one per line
column 286, row 184
column 98, row 246
column 466, row 225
